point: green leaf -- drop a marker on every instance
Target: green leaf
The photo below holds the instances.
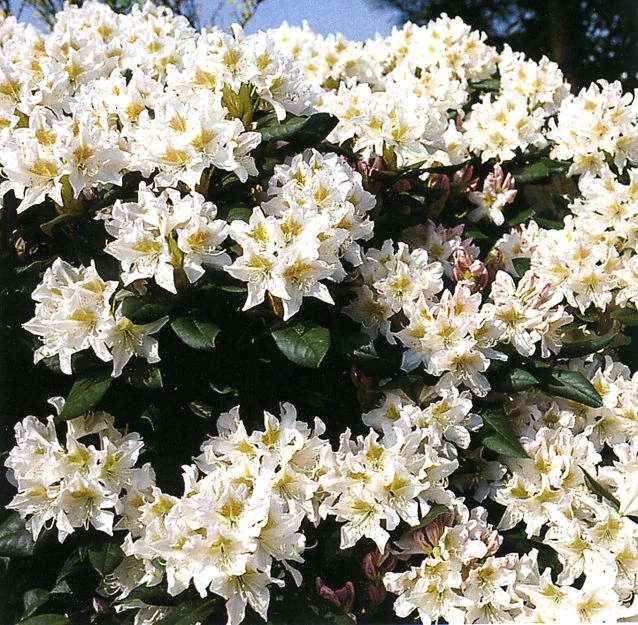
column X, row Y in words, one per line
column 190, row 612
column 521, row 265
column 243, row 213
column 521, row 217
column 504, row 441
column 489, row 84
column 196, row 334
column 147, row 307
column 144, row 376
column 36, row 265
column 84, row 395
column 598, row 489
column 302, row 342
column 568, row 384
column 33, row 600
column 549, row 224
column 555, row 166
column 52, row 224
column 589, row 346
column 626, row 316
column 400, row 381
column 514, row 380
column 591, row 315
column 105, row 558
column 503, row 446
column 432, row 515
column 151, row 595
column 72, row 564
column 16, row 540
column 201, row 410
column 299, row 130
column 530, row 173
column 47, row 619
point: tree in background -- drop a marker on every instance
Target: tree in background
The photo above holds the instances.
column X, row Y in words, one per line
column 240, row 10
column 589, row 39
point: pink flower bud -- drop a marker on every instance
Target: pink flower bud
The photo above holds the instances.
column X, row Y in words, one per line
column 464, row 177
column 419, row 537
column 468, row 272
column 389, row 562
column 100, row 605
column 433, row 533
column 493, row 541
column 325, row 592
column 345, row 596
column 360, row 379
column 368, row 565
column 376, row 595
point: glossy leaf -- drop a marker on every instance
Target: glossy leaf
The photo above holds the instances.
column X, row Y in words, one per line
column 33, row 600
column 504, row 446
column 59, row 220
column 300, row 130
column 302, row 342
column 530, row 173
column 147, row 308
column 626, row 316
column 15, row 538
column 47, row 619
column 243, row 213
column 589, row 346
column 432, row 515
column 514, row 380
column 84, row 395
column 570, row 385
column 504, row 441
column 521, row 265
column 556, row 166
column 196, row 334
column 75, row 562
column 105, row 558
column 190, row 612
column 598, row 489
column 521, row 217
column 144, row 376
column 489, row 84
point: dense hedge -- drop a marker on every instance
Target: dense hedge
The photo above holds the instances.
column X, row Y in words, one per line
column 333, row 330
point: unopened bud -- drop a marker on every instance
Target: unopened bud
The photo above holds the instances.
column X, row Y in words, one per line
column 368, row 565
column 432, row 533
column 376, row 595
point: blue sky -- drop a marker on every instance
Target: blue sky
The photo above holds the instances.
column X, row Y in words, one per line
column 356, row 19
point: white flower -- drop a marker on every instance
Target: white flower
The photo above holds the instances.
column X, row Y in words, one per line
column 498, row 191
column 127, row 339
column 72, row 485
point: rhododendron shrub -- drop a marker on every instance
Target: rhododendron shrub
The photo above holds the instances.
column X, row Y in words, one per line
column 295, row 327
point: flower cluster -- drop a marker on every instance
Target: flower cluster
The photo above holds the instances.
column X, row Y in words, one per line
column 551, row 491
column 161, row 235
column 244, row 500
column 316, row 212
column 73, row 484
column 375, row 483
column 74, row 312
column 467, row 229
column 598, row 125
column 442, row 415
column 592, row 260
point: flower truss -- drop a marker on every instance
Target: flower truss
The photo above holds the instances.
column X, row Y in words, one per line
column 210, row 238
